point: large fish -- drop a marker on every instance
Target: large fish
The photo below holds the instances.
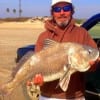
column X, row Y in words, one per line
column 55, row 61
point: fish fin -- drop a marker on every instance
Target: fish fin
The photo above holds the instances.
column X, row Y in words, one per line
column 49, row 43
column 64, row 81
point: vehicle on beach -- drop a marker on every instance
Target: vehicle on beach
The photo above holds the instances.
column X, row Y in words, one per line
column 92, row 78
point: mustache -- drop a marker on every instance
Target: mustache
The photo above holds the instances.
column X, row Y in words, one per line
column 62, row 16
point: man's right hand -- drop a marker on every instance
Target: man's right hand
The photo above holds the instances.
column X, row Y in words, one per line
column 38, row 80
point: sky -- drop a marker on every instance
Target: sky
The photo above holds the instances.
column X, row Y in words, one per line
column 31, row 8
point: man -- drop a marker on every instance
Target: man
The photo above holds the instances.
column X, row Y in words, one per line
column 62, row 28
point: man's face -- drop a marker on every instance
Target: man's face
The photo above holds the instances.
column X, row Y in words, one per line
column 62, row 13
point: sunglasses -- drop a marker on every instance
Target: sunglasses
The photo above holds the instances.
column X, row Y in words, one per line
column 65, row 8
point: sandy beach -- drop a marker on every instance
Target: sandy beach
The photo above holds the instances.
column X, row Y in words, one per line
column 14, row 35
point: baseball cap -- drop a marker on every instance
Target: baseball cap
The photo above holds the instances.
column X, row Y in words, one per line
column 57, row 1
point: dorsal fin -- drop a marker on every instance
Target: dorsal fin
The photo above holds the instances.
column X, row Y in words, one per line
column 49, row 43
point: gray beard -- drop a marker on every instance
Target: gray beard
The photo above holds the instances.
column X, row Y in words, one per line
column 62, row 24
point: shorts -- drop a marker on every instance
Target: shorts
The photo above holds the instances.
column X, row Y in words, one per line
column 47, row 98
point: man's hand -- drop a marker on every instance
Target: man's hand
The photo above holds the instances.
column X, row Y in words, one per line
column 38, row 79
column 99, row 58
column 94, row 64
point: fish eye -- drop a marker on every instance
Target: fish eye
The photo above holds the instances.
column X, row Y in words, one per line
column 89, row 51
